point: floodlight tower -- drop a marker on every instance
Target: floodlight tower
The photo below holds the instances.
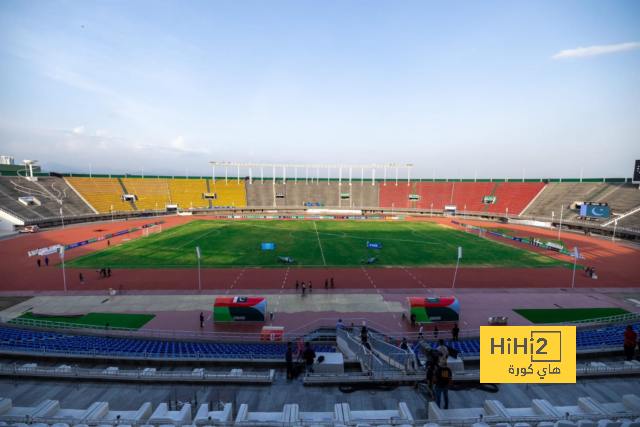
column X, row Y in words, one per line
column 31, row 163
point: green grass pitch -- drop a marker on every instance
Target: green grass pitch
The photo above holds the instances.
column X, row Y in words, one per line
column 133, row 321
column 559, row 315
column 312, row 244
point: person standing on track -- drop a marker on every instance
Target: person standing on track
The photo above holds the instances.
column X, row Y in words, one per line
column 435, row 331
column 326, row 283
column 201, row 320
column 304, row 290
column 81, row 279
column 108, row 243
column 38, row 262
column 109, row 272
column 297, row 285
column 332, row 283
column 46, row 261
column 310, row 286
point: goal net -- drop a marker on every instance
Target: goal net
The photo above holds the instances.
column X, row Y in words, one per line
column 470, row 230
column 152, row 230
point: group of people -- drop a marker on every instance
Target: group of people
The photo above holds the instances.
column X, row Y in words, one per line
column 104, row 272
column 589, row 271
column 46, row 261
column 454, row 332
column 304, row 287
column 308, row 355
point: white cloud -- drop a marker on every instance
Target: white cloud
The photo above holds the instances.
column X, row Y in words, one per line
column 583, row 52
column 79, row 130
column 180, row 146
column 102, row 133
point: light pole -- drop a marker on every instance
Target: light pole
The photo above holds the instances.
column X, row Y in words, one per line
column 615, row 224
column 199, row 283
column 62, row 217
column 465, row 212
column 64, row 275
column 507, row 211
column 575, row 261
column 392, row 206
column 560, row 226
column 156, row 210
column 431, row 210
column 111, row 213
column 457, row 264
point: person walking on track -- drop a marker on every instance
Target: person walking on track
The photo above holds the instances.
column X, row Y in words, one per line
column 38, row 262
column 46, row 261
column 332, row 283
column 326, row 283
column 201, row 320
column 304, row 290
column 81, row 279
column 297, row 285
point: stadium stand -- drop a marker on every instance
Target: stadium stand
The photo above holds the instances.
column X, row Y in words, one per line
column 188, row 192
column 398, row 196
column 48, row 190
column 558, row 194
column 471, row 194
column 231, row 193
column 514, row 195
column 302, row 193
column 101, row 193
column 151, row 193
column 17, row 338
column 438, row 193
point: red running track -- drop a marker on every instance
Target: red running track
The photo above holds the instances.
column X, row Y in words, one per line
column 614, row 263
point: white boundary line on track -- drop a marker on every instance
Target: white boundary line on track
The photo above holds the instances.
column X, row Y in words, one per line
column 323, row 260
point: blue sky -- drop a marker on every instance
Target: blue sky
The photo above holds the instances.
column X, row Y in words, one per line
column 452, row 86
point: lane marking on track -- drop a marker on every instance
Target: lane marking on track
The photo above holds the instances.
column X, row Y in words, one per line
column 208, row 317
column 317, row 235
column 414, row 277
column 399, row 324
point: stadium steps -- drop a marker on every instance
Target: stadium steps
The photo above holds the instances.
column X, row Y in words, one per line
column 492, row 193
column 209, row 191
column 133, row 205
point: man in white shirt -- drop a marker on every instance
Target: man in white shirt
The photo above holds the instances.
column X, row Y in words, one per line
column 443, row 349
column 421, row 331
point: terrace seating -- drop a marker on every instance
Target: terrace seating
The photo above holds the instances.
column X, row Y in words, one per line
column 245, row 417
column 187, row 193
column 630, row 404
column 151, row 192
column 204, row 415
column 515, row 196
column 470, row 194
column 488, row 412
column 8, row 411
column 395, row 415
column 101, row 193
column 337, row 416
column 163, row 415
column 230, row 193
column 440, row 194
column 397, row 196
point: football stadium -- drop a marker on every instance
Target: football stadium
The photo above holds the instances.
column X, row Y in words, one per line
column 319, row 213
column 192, row 288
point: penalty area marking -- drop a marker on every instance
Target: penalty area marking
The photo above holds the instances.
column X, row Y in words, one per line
column 200, row 237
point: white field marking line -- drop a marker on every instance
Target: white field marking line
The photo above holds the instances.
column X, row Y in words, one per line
column 200, row 237
column 399, row 324
column 314, row 226
column 208, row 317
column 427, row 235
column 337, row 235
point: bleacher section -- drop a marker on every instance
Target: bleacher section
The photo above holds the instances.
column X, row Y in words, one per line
column 438, row 193
column 229, row 194
column 46, row 190
column 515, row 196
column 558, row 194
column 101, row 193
column 471, row 194
column 151, row 193
column 188, row 192
column 398, row 196
column 302, row 193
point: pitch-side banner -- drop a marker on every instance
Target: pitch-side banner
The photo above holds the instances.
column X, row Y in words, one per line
column 518, row 239
column 56, row 248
